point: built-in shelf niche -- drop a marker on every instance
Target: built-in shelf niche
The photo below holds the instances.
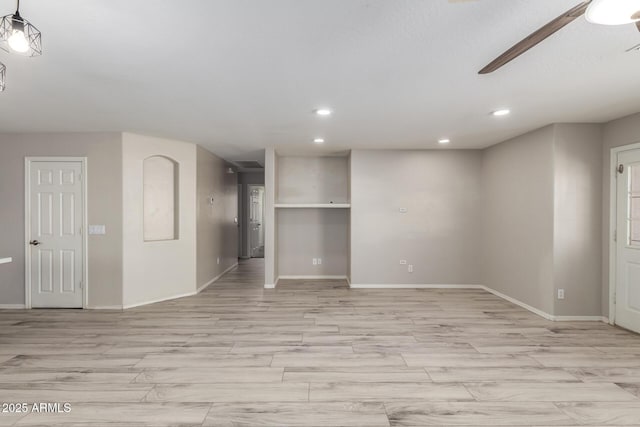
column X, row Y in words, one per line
column 311, row 216
column 313, row 181
column 313, row 206
column 160, row 193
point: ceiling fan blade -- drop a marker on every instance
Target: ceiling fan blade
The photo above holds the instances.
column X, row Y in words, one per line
column 536, row 37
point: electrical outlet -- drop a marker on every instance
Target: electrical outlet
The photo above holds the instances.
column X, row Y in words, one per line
column 319, row 261
column 410, row 268
column 218, row 260
column 315, row 261
column 560, row 293
column 403, row 262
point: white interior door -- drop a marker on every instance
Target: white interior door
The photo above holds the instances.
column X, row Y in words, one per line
column 628, row 241
column 54, row 235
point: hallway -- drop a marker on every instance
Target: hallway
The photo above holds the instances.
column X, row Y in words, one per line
column 317, row 354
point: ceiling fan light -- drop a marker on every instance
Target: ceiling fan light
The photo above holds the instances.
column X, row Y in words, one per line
column 612, row 12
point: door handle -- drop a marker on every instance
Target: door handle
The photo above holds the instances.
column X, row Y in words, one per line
column 35, row 243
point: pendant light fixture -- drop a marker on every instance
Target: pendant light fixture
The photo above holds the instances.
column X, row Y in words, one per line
column 17, row 35
column 3, row 73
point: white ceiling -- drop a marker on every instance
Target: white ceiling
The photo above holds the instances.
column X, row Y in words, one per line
column 239, row 75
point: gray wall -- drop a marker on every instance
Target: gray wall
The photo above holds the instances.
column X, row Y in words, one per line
column 517, row 218
column 216, row 231
column 304, row 234
column 104, row 153
column 578, row 219
column 157, row 270
column 619, row 132
column 440, row 233
column 312, row 180
column 542, row 196
column 270, row 228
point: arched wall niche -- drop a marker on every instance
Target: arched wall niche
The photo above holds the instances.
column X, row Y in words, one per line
column 160, row 193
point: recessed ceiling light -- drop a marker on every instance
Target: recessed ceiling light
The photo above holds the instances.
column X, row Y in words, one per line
column 444, row 141
column 319, row 141
column 501, row 112
column 323, row 112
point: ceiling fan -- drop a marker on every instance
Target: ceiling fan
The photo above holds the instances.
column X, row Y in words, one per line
column 605, row 12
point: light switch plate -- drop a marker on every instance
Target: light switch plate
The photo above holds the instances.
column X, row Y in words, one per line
column 97, row 230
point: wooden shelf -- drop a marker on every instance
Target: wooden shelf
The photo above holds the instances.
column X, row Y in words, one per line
column 313, row 205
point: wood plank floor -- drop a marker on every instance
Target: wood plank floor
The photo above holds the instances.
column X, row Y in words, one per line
column 318, row 354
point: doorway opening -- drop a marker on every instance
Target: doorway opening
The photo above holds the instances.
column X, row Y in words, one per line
column 256, row 221
column 251, row 208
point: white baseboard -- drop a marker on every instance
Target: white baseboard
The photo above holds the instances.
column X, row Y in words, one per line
column 154, row 301
column 545, row 314
column 520, row 303
column 215, row 279
column 104, row 307
column 492, row 291
column 581, row 319
column 318, row 277
column 12, row 306
column 188, row 294
column 315, row 277
column 412, row 286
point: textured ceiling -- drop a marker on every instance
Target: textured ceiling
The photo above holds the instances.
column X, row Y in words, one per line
column 237, row 76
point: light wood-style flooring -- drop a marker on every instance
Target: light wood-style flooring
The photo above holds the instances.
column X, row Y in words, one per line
column 318, row 354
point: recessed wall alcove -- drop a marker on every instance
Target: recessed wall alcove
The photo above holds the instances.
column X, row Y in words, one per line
column 160, row 192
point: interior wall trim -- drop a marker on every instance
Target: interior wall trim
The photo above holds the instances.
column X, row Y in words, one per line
column 312, row 277
column 215, row 279
column 274, row 285
column 413, row 286
column 139, row 304
column 12, row 306
column 188, row 294
column 512, row 300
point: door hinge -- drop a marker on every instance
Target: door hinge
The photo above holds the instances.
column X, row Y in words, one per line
column 621, row 168
column 80, row 285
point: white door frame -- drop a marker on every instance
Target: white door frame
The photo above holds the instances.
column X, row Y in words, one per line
column 613, row 219
column 27, row 224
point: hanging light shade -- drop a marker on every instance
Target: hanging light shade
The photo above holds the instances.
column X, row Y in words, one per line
column 17, row 35
column 613, row 12
column 3, row 74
